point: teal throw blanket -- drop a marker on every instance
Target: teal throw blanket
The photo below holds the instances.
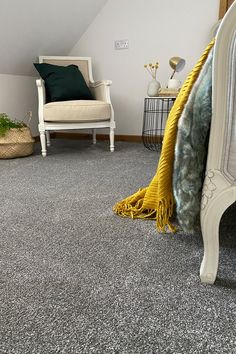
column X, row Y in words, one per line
column 191, row 150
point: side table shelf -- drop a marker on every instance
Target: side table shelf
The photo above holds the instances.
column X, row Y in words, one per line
column 156, row 110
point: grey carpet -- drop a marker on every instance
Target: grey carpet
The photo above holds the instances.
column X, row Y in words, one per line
column 75, row 278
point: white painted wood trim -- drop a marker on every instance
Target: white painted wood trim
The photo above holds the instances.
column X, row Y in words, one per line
column 219, row 190
column 75, row 126
column 41, row 100
column 88, row 59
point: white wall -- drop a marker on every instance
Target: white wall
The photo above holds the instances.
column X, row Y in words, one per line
column 18, row 95
column 31, row 28
column 156, row 30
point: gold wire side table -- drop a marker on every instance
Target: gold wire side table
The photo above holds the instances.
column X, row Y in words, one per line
column 156, row 111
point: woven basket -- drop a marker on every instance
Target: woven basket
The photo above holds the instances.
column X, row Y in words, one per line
column 17, row 142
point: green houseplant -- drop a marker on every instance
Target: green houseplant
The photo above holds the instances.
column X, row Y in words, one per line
column 6, row 123
column 15, row 138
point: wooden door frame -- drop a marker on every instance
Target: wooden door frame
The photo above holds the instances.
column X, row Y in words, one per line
column 224, row 5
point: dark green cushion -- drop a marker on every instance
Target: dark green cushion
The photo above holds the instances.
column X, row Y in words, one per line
column 63, row 83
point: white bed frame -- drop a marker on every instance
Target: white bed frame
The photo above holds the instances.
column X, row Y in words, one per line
column 219, row 190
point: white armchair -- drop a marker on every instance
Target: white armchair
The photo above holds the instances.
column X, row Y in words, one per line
column 75, row 114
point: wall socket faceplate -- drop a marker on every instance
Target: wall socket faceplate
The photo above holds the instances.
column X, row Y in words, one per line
column 122, row 44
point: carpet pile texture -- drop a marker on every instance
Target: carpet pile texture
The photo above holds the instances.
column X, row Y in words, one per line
column 75, row 278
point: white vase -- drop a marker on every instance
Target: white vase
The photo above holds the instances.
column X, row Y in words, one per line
column 154, row 87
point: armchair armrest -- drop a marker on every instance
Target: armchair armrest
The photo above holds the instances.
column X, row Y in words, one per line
column 39, row 82
column 101, row 90
column 41, row 90
column 41, row 98
column 99, row 83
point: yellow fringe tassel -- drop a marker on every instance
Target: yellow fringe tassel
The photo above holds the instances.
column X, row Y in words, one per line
column 157, row 201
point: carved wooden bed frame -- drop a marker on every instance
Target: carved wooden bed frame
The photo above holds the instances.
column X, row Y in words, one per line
column 219, row 190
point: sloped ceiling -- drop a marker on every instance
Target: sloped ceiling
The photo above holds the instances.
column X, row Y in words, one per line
column 30, row 28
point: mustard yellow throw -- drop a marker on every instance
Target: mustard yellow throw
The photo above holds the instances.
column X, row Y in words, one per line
column 156, row 201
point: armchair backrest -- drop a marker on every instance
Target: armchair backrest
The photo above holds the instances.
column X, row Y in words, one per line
column 83, row 63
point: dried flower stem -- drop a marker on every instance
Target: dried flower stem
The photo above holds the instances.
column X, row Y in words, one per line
column 152, row 69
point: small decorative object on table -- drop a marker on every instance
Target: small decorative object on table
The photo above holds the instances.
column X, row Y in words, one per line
column 154, row 85
column 177, row 64
column 15, row 138
column 168, row 92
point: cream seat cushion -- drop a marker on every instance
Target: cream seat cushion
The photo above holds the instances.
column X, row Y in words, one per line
column 77, row 111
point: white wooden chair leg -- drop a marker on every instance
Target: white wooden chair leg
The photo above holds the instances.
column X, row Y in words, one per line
column 210, row 234
column 210, row 221
column 94, row 136
column 43, row 143
column 48, row 138
column 112, row 137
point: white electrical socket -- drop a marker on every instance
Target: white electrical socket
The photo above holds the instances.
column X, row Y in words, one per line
column 122, row 44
